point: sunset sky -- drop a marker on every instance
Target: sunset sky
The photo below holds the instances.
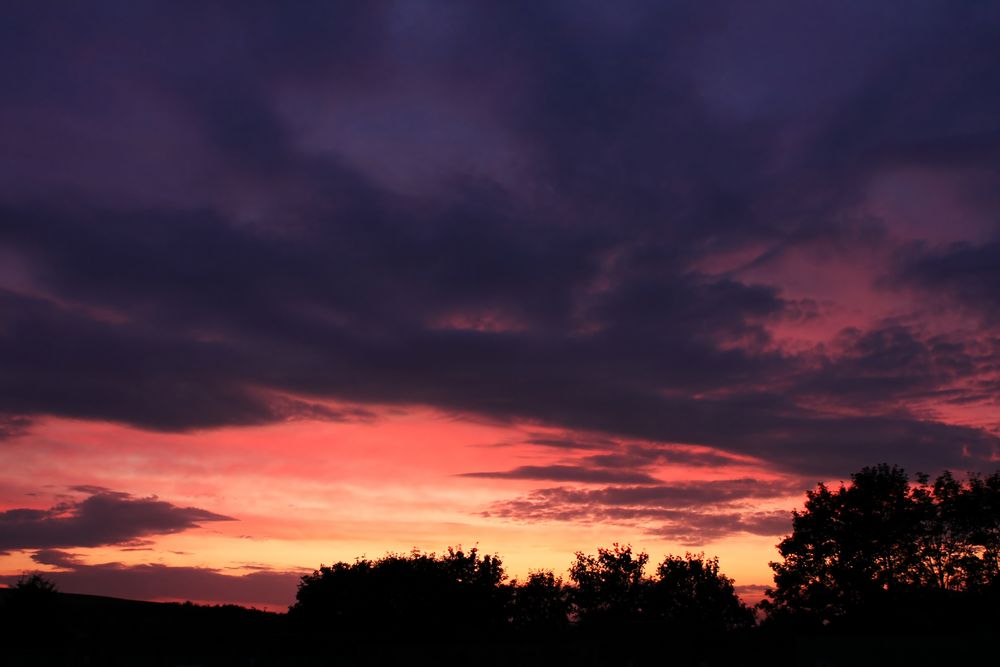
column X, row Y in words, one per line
column 283, row 284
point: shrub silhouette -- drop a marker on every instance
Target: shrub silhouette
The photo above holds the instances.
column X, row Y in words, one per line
column 419, row 593
column 32, row 609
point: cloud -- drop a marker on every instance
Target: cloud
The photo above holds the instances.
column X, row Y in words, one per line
column 56, row 558
column 692, row 513
column 574, row 441
column 697, row 528
column 675, row 495
column 895, row 368
column 575, row 221
column 636, row 455
column 103, row 518
column 751, row 594
column 12, row 426
column 964, row 272
column 155, row 581
column 566, row 473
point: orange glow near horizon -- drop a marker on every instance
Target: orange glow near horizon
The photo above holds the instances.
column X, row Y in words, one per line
column 309, row 493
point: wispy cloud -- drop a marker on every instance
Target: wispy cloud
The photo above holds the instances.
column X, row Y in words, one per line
column 692, row 512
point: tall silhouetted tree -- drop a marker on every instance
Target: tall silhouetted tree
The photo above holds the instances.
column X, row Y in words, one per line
column 966, row 522
column 881, row 542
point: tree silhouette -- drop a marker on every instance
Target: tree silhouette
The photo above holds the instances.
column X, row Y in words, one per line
column 33, row 587
column 540, row 604
column 32, row 609
column 417, row 593
column 882, row 543
column 609, row 586
column 967, row 520
column 690, row 594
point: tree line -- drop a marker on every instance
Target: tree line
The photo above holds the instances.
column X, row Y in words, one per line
column 464, row 590
column 881, row 552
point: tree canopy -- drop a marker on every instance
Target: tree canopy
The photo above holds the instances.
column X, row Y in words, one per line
column 685, row 594
column 465, row 592
column 609, row 586
column 882, row 541
column 689, row 593
column 540, row 604
column 418, row 592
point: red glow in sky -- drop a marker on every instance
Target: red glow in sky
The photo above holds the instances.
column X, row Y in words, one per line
column 281, row 287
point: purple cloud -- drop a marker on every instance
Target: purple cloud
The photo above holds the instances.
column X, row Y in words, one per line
column 612, row 195
column 692, row 513
column 104, row 518
column 567, row 473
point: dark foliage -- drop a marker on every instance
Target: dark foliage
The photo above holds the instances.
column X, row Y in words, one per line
column 30, row 606
column 33, row 587
column 609, row 587
column 690, row 594
column 416, row 594
column 687, row 594
column 883, row 552
column 540, row 605
column 463, row 594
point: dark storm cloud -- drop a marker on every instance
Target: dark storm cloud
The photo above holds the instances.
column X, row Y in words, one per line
column 964, row 272
column 155, row 581
column 895, row 361
column 640, row 455
column 62, row 361
column 509, row 210
column 627, row 377
column 104, row 518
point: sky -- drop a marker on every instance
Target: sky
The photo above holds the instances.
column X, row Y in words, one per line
column 288, row 284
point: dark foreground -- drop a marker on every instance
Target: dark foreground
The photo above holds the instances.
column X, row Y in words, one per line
column 91, row 630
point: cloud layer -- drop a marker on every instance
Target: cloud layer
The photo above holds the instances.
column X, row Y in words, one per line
column 692, row 512
column 681, row 235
